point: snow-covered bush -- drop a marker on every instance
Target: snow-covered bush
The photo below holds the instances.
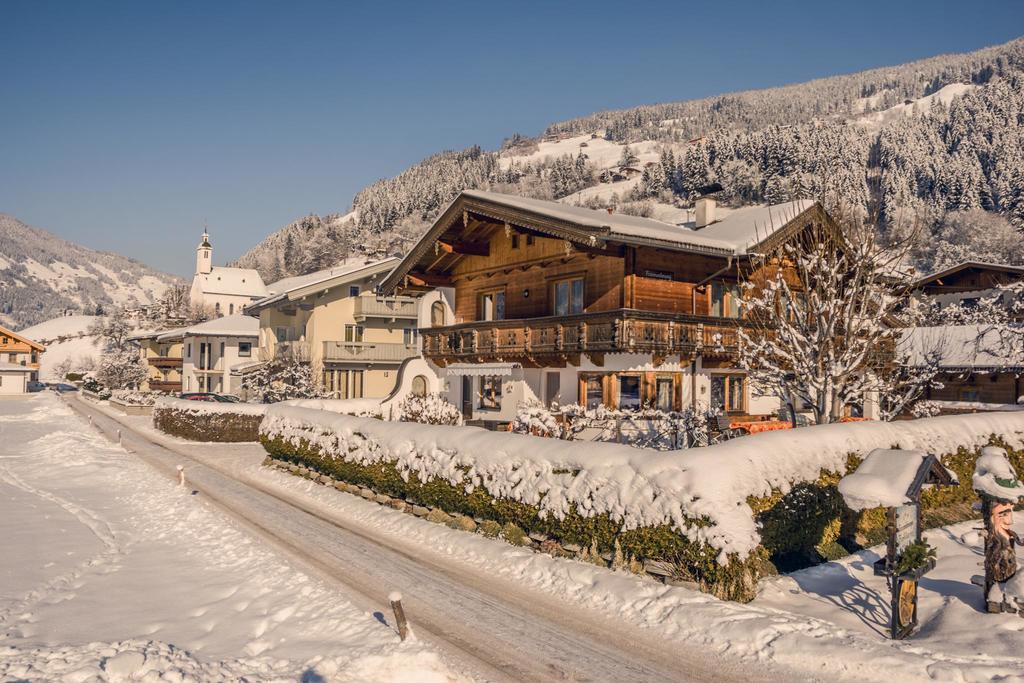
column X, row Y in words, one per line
column 717, row 512
column 121, row 369
column 926, row 409
column 208, row 421
column 432, row 409
column 644, row 428
column 532, row 417
column 282, row 379
column 134, row 398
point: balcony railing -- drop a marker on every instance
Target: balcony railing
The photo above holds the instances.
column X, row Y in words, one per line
column 292, row 349
column 368, row 352
column 162, row 385
column 392, row 308
column 164, row 362
column 617, row 331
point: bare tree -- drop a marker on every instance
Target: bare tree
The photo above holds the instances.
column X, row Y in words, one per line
column 824, row 316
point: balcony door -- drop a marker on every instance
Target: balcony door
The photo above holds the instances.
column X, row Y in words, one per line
column 467, row 397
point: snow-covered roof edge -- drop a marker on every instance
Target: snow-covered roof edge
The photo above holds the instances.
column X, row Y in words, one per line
column 332, row 277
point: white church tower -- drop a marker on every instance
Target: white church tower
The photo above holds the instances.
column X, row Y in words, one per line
column 204, row 256
column 222, row 290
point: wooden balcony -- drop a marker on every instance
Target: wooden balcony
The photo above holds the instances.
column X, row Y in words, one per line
column 368, row 352
column 618, row 331
column 164, row 362
column 388, row 308
column 161, row 385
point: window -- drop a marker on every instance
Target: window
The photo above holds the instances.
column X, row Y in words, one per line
column 629, row 392
column 342, row 384
column 216, row 308
column 231, row 309
column 725, row 300
column 353, row 290
column 409, row 336
column 328, row 381
column 357, row 384
column 728, row 392
column 490, row 392
column 663, row 393
column 568, row 296
column 515, row 241
column 492, row 305
column 419, row 386
column 552, row 387
column 354, row 333
column 529, row 240
column 437, row 314
column 282, row 334
column 12, row 357
column 244, row 349
column 595, row 392
column 188, row 350
column 222, row 349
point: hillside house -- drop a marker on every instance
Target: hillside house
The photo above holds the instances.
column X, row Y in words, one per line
column 19, row 350
column 976, row 367
column 354, row 340
column 213, row 351
column 221, row 290
column 163, row 353
column 570, row 305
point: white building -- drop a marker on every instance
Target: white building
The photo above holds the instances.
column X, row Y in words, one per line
column 212, row 349
column 14, row 378
column 223, row 290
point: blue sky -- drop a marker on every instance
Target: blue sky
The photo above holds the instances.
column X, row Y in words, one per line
column 125, row 126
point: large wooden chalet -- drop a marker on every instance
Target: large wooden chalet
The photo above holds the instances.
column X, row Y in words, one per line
column 561, row 303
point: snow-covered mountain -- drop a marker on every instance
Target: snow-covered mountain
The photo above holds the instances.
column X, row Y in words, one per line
column 935, row 143
column 43, row 276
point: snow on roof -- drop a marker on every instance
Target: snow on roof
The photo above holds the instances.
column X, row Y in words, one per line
column 882, row 480
column 964, row 265
column 21, row 337
column 958, row 346
column 735, row 233
column 14, row 367
column 333, row 277
column 164, row 334
column 239, row 281
column 228, row 326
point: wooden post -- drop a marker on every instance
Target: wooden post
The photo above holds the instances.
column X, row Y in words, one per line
column 395, row 598
column 181, row 475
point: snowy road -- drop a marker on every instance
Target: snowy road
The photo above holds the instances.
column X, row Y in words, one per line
column 496, row 629
column 111, row 573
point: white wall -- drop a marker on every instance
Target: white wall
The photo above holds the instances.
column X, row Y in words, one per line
column 222, row 382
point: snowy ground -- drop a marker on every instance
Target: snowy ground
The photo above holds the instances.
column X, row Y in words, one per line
column 110, row 571
column 822, row 623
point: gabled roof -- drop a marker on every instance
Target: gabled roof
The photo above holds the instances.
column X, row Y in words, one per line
column 165, row 334
column 301, row 286
column 737, row 234
column 23, row 339
column 237, row 281
column 228, row 326
column 936, row 278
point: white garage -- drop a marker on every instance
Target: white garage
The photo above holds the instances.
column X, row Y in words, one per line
column 14, row 378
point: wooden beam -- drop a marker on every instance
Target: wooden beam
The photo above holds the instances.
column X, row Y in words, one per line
column 467, row 248
column 429, row 280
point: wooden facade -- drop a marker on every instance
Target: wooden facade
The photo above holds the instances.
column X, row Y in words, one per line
column 19, row 350
column 544, row 290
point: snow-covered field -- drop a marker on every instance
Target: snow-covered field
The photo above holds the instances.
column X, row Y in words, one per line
column 80, row 348
column 109, row 571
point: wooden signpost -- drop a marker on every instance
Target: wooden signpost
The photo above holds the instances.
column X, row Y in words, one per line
column 907, row 558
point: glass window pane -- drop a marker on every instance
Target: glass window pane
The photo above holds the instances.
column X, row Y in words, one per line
column 595, row 392
column 663, row 396
column 718, row 391
column 717, row 299
column 734, row 301
column 629, row 392
column 577, row 296
column 499, row 305
column 736, row 392
column 561, row 298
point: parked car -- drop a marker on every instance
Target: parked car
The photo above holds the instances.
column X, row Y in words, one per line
column 36, row 386
column 209, row 397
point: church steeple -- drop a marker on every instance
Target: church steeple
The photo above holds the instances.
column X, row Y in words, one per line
column 204, row 255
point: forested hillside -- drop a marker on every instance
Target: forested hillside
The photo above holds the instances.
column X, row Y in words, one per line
column 933, row 149
column 43, row 276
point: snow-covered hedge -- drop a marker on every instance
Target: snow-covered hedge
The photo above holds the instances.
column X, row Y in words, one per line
column 728, row 505
column 364, row 407
column 207, row 420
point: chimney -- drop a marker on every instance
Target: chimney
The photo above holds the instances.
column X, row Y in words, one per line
column 705, row 212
